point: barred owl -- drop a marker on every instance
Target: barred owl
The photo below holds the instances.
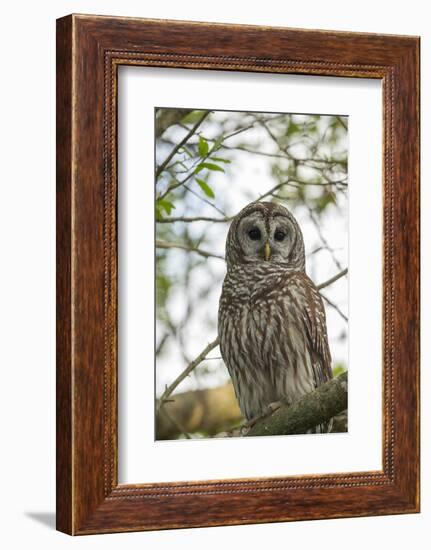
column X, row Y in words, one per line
column 271, row 322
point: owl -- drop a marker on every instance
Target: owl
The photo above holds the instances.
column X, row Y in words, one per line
column 271, row 320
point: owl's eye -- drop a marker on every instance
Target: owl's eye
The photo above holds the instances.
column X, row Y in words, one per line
column 279, row 235
column 254, row 234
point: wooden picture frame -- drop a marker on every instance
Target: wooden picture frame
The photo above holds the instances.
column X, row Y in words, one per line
column 89, row 51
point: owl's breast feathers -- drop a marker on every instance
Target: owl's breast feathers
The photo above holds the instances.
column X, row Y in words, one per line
column 273, row 338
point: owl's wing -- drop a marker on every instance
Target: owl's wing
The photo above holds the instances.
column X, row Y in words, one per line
column 314, row 319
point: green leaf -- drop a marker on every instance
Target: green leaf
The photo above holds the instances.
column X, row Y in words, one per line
column 193, row 117
column 293, row 129
column 311, row 129
column 219, row 159
column 205, row 188
column 203, row 147
column 324, row 200
column 159, row 214
column 338, row 369
column 209, row 166
column 166, row 205
column 163, row 287
column 217, row 143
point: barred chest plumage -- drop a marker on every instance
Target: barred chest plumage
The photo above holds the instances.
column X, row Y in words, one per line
column 260, row 318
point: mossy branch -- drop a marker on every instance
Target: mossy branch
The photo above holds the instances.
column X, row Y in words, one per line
column 314, row 408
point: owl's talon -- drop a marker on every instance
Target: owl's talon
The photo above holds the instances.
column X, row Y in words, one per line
column 272, row 407
column 245, row 428
column 249, row 424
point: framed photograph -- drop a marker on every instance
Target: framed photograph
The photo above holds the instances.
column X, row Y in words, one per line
column 237, row 274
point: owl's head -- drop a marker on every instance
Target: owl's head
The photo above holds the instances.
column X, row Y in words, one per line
column 265, row 232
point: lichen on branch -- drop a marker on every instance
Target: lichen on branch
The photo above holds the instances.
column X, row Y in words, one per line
column 313, row 409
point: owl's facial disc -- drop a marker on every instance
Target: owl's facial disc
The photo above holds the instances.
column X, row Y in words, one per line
column 252, row 236
column 282, row 237
column 264, row 238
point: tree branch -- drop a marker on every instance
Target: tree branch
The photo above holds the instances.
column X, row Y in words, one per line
column 292, row 181
column 186, row 372
column 332, row 279
column 297, row 160
column 181, row 143
column 322, row 237
column 334, row 306
column 206, row 201
column 180, row 246
column 341, row 121
column 311, row 410
column 273, row 190
column 195, row 219
column 169, row 117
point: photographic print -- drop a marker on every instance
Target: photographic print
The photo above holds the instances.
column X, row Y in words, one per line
column 251, row 270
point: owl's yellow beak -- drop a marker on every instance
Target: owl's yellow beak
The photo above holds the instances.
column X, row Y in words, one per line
column 267, row 251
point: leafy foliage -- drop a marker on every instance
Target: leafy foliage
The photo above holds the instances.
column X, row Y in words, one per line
column 205, row 188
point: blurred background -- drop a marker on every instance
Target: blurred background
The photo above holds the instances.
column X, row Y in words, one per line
column 209, row 165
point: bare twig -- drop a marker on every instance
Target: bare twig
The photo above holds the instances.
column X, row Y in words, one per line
column 332, row 279
column 169, row 117
column 204, row 253
column 286, row 156
column 322, row 237
column 162, row 342
column 334, row 306
column 292, row 181
column 181, row 143
column 194, row 219
column 341, row 121
column 284, row 150
column 273, row 190
column 249, row 127
column 183, row 183
column 186, row 372
column 203, row 199
column 177, row 183
column 320, row 249
column 296, row 184
column 272, row 136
